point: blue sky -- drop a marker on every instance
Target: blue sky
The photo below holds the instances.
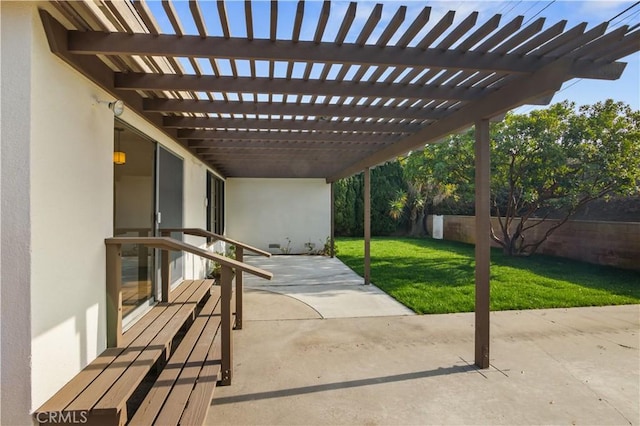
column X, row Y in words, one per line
column 581, row 92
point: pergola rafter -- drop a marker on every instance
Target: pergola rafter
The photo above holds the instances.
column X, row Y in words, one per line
column 346, row 54
column 383, row 98
column 312, row 108
column 244, row 135
column 144, row 81
column 292, row 109
column 273, row 124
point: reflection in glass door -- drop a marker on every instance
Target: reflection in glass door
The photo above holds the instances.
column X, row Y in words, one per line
column 134, row 157
column 170, row 194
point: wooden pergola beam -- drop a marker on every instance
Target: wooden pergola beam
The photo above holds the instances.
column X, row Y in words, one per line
column 311, row 159
column 215, row 135
column 92, row 67
column 314, row 110
column 284, row 145
column 318, row 125
column 280, row 151
column 453, row 77
column 206, row 83
column 99, row 43
column 518, row 92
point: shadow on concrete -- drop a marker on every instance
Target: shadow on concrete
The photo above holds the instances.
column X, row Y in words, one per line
column 444, row 371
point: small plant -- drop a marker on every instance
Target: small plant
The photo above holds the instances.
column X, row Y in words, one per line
column 310, row 247
column 231, row 251
column 326, row 250
column 286, row 249
column 214, row 268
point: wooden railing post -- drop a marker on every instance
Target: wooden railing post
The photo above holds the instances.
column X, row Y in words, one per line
column 239, row 288
column 143, row 266
column 226, row 278
column 114, row 295
column 165, row 271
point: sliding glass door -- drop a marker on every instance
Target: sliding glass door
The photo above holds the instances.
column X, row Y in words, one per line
column 170, row 203
column 148, row 196
column 134, row 202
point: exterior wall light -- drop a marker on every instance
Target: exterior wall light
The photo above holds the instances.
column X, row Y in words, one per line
column 119, row 157
column 116, row 106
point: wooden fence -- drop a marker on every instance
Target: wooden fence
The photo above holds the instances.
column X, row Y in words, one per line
column 604, row 243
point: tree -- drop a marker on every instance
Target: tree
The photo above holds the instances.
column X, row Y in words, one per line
column 386, row 180
column 346, row 206
column 554, row 161
column 434, row 176
column 546, row 164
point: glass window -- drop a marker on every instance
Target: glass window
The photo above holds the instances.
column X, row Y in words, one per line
column 215, row 204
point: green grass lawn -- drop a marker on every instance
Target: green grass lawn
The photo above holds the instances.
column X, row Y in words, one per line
column 435, row 276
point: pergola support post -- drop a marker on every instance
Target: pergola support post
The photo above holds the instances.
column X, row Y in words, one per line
column 483, row 242
column 367, row 226
column 332, row 237
column 226, row 292
column 239, row 289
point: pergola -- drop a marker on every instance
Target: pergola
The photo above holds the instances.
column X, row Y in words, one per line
column 299, row 107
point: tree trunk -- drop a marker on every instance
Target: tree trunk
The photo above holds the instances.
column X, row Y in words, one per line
column 418, row 225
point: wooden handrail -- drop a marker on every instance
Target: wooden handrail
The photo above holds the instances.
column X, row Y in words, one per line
column 166, row 243
column 199, row 232
column 240, row 247
column 140, row 231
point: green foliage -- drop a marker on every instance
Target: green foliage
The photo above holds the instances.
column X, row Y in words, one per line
column 549, row 163
column 554, row 161
column 326, row 249
column 386, row 180
column 348, row 210
column 440, row 181
column 214, row 268
column 545, row 164
column 435, row 276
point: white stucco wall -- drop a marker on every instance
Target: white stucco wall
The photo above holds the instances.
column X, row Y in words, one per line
column 15, row 242
column 71, row 198
column 265, row 211
column 57, row 209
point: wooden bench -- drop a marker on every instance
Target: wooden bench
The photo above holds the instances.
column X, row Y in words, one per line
column 98, row 395
column 184, row 389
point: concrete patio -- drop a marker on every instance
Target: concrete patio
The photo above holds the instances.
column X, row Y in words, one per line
column 325, row 284
column 555, row 366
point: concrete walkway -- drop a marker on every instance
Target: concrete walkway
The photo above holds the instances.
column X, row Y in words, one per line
column 326, row 285
column 292, row 367
column 563, row 366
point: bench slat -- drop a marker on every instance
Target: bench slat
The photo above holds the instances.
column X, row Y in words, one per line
column 141, row 325
column 200, row 399
column 61, row 399
column 101, row 390
column 191, row 373
column 80, row 381
column 92, row 394
column 117, row 396
column 202, row 326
